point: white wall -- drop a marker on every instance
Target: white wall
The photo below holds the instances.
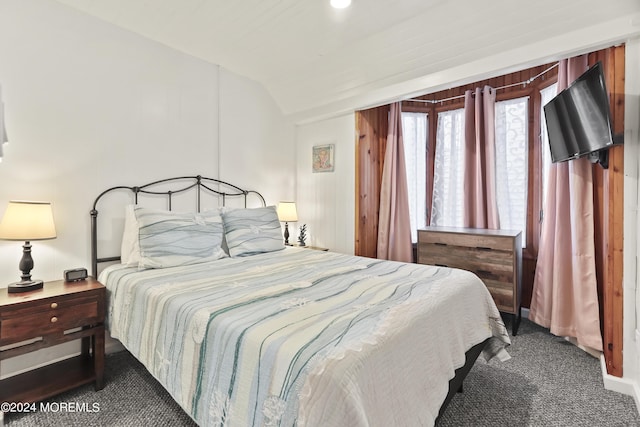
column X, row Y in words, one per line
column 256, row 142
column 326, row 200
column 89, row 106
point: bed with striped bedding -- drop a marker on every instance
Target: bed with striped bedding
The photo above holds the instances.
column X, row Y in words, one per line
column 298, row 337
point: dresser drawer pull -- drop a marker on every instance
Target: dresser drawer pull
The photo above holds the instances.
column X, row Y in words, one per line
column 483, row 248
column 440, row 244
column 442, row 265
column 54, row 319
column 54, row 305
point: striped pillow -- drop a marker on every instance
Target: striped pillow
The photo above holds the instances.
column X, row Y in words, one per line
column 170, row 239
column 252, row 231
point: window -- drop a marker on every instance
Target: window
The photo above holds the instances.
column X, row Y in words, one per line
column 511, row 125
column 512, row 132
column 414, row 137
column 546, row 95
column 448, row 174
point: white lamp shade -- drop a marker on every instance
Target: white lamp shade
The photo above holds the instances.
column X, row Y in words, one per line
column 28, row 221
column 287, row 212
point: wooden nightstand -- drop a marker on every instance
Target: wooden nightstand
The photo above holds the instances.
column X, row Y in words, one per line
column 315, row 248
column 60, row 312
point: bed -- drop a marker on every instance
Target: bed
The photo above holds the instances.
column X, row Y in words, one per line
column 247, row 332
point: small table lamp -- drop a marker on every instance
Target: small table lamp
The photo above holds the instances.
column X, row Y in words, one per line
column 27, row 221
column 287, row 213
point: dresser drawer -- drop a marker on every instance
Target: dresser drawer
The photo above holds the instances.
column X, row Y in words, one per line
column 466, row 258
column 47, row 317
column 503, row 295
column 502, row 291
column 483, row 241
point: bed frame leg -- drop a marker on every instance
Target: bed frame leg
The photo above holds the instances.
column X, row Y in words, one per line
column 455, row 384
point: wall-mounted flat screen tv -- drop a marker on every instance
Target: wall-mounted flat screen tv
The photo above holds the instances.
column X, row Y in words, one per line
column 578, row 118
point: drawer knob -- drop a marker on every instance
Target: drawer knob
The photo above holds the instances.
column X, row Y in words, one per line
column 54, row 319
column 54, row 305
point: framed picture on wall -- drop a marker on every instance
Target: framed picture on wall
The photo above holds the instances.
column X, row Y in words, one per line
column 323, row 158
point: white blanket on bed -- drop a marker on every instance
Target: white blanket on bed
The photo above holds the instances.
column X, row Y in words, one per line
column 302, row 337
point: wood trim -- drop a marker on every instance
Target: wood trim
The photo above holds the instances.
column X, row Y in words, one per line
column 613, row 217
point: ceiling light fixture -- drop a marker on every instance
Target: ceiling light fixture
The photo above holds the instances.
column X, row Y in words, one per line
column 340, row 4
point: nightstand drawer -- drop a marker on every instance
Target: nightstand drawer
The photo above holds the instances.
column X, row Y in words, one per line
column 15, row 329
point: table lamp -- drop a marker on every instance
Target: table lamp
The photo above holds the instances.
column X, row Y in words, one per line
column 287, row 213
column 27, row 221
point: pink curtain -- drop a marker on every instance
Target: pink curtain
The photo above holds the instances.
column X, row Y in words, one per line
column 565, row 297
column 480, row 204
column 394, row 228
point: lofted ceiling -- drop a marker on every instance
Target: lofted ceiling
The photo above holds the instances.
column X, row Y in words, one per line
column 312, row 58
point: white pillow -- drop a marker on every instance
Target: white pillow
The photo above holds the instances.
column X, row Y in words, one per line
column 130, row 247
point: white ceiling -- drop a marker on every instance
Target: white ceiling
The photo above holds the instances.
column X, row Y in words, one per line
column 312, row 58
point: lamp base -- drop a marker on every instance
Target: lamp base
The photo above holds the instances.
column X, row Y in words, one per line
column 25, row 286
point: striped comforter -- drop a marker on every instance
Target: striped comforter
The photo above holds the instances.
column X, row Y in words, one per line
column 303, row 337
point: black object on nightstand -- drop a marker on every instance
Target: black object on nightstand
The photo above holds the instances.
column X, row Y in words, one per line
column 75, row 274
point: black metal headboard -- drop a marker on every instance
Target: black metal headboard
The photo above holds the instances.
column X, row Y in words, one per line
column 167, row 188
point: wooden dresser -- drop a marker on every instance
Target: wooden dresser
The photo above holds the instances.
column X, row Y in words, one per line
column 493, row 255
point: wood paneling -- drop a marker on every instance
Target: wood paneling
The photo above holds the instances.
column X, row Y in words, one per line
column 371, row 141
column 528, row 273
column 608, row 206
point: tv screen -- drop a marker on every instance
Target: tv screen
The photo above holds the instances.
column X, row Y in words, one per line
column 578, row 118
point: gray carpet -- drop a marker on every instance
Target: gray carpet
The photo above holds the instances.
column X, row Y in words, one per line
column 548, row 382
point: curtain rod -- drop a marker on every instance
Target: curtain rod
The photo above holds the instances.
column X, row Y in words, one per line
column 523, row 83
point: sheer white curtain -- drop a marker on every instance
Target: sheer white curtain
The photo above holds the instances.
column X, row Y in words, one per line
column 414, row 136
column 448, row 175
column 511, row 124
